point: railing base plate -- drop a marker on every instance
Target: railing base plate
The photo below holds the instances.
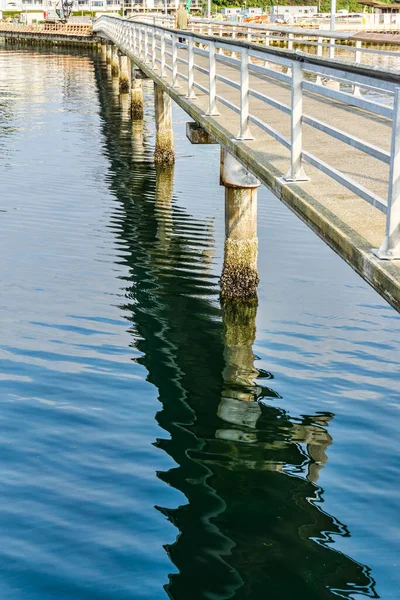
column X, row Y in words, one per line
column 386, row 255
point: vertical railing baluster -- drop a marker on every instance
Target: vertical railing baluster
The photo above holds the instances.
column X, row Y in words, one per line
column 358, row 59
column 153, row 49
column 162, row 53
column 267, row 64
column 190, row 91
column 220, row 51
column 212, row 82
column 131, row 30
column 244, row 131
column 320, row 50
column 146, row 44
column 233, row 35
column 332, row 47
column 391, row 246
column 296, row 171
column 175, row 82
column 140, row 53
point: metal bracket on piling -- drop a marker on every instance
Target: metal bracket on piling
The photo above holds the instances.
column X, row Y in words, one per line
column 234, row 175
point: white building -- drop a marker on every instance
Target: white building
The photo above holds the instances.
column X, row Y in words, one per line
column 291, row 14
column 230, row 11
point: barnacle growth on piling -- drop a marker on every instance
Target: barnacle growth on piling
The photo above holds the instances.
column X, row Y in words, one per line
column 123, row 82
column 239, row 277
column 164, row 153
column 137, row 103
column 115, row 67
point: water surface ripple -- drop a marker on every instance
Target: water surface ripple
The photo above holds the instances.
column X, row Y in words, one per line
column 155, row 444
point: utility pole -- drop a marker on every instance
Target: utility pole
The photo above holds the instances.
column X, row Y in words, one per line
column 333, row 15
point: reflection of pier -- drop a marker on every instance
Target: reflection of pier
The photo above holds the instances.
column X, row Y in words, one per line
column 252, row 526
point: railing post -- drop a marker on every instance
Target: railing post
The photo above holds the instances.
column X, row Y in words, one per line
column 134, row 39
column 267, row 64
column 320, row 50
column 146, row 44
column 162, row 73
column 220, row 51
column 296, row 171
column 153, row 49
column 212, row 82
column 244, row 131
column 233, row 36
column 390, row 249
column 332, row 47
column 357, row 59
column 131, row 30
column 140, row 41
column 175, row 82
column 190, row 91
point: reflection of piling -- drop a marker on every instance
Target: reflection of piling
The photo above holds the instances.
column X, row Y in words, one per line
column 115, row 62
column 137, row 138
column 124, row 73
column 238, row 405
column 163, row 196
column 125, row 106
column 317, row 440
column 109, row 53
column 239, row 275
column 137, row 103
column 164, row 153
column 239, row 335
column 103, row 48
column 164, row 184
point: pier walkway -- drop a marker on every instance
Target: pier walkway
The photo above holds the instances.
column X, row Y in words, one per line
column 322, row 134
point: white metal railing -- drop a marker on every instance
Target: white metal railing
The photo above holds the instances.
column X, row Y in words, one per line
column 343, row 45
column 155, row 48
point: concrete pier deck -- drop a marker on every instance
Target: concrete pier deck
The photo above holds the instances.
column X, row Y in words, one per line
column 39, row 35
column 350, row 226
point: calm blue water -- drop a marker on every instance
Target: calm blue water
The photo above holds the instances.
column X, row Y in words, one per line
column 152, row 444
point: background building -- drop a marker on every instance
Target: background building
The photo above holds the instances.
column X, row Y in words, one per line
column 291, row 13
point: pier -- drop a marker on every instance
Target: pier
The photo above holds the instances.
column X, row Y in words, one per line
column 55, row 34
column 200, row 397
column 323, row 134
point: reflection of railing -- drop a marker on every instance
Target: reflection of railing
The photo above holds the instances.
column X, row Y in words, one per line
column 157, row 47
column 314, row 41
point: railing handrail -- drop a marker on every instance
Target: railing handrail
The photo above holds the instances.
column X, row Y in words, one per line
column 377, row 73
column 304, row 74
column 268, row 35
column 325, row 33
